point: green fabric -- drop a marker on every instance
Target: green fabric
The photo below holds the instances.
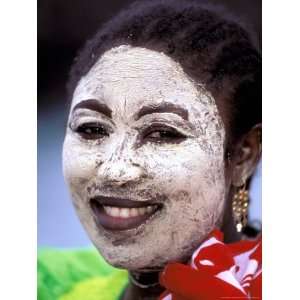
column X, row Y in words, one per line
column 77, row 275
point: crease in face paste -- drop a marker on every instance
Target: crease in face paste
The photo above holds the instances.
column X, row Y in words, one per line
column 187, row 177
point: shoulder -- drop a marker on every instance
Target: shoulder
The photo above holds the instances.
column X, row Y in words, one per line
column 80, row 274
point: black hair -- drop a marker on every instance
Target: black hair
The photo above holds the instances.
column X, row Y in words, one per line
column 212, row 46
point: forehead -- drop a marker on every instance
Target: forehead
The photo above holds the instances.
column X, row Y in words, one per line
column 128, row 76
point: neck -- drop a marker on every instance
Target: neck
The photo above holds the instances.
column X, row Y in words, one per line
column 143, row 286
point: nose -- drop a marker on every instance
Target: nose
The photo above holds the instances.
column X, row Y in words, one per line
column 120, row 169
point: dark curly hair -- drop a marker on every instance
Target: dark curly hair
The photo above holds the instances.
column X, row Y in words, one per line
column 213, row 47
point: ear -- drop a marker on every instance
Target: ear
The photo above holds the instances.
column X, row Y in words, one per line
column 246, row 156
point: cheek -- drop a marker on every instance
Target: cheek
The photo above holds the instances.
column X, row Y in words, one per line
column 193, row 182
column 184, row 167
column 79, row 163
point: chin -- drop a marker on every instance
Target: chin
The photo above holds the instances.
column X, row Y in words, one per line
column 139, row 259
column 132, row 261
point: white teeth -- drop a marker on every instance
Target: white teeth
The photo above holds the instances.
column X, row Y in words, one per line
column 107, row 209
column 134, row 212
column 115, row 212
column 123, row 212
column 142, row 210
column 149, row 209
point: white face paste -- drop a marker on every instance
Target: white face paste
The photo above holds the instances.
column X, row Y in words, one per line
column 188, row 177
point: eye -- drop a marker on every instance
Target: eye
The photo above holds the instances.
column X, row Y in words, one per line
column 163, row 135
column 92, row 131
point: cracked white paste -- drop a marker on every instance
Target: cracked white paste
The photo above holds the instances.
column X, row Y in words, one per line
column 188, row 178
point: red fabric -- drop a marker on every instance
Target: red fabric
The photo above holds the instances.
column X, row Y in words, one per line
column 216, row 271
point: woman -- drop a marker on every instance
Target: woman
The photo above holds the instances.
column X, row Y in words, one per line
column 163, row 136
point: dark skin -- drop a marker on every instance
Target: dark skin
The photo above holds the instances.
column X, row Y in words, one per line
column 241, row 164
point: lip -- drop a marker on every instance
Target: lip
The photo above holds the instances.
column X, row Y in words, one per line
column 117, row 223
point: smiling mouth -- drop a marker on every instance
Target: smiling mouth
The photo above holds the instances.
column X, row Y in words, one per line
column 122, row 214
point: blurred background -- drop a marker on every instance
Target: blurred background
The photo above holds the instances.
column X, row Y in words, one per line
column 63, row 27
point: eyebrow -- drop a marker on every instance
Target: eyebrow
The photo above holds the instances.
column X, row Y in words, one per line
column 164, row 107
column 95, row 105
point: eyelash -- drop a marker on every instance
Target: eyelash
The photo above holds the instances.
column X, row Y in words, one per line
column 165, row 135
column 92, row 131
column 154, row 134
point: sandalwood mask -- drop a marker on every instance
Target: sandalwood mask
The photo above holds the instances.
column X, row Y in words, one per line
column 152, row 135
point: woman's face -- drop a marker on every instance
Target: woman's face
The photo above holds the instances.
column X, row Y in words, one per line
column 144, row 159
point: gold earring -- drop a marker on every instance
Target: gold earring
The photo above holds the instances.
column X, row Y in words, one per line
column 240, row 208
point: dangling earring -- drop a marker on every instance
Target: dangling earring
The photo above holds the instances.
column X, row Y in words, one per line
column 240, row 208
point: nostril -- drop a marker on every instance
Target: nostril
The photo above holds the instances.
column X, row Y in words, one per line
column 98, row 163
column 136, row 165
column 123, row 184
